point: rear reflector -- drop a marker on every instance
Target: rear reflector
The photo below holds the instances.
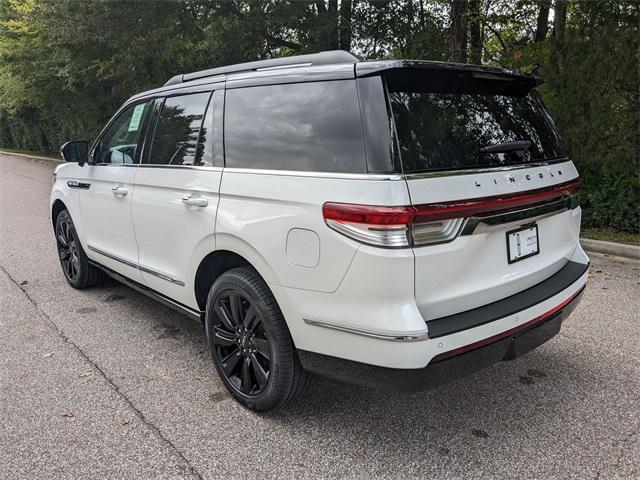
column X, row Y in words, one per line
column 405, row 226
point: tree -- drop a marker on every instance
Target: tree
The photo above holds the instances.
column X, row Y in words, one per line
column 66, row 66
column 542, row 24
column 459, row 31
column 475, row 32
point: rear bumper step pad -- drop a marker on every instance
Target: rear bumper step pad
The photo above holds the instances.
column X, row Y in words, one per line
column 544, row 290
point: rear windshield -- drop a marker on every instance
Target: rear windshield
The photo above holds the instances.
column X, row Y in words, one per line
column 446, row 131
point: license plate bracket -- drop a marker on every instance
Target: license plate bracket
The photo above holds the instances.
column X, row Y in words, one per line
column 522, row 243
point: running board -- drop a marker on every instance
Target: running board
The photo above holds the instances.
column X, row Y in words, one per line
column 151, row 293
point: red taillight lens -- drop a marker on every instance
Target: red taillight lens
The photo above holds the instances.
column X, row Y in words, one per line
column 368, row 214
column 405, row 226
column 495, row 204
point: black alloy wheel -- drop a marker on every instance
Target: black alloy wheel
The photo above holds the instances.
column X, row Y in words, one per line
column 74, row 262
column 250, row 342
column 68, row 249
column 240, row 343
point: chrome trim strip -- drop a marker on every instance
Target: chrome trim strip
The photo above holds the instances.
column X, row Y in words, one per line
column 415, row 337
column 113, row 257
column 163, row 276
column 472, row 171
column 300, row 173
column 78, row 185
column 147, row 165
column 137, row 267
column 282, row 67
column 182, row 167
column 477, row 225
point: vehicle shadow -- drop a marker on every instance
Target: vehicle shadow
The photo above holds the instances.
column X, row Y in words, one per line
column 531, row 396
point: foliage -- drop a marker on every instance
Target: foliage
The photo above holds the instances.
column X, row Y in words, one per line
column 66, row 66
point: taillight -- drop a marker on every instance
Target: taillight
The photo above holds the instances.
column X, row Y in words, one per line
column 406, row 226
column 388, row 226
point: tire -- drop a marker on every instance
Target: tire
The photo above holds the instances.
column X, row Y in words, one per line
column 250, row 343
column 74, row 262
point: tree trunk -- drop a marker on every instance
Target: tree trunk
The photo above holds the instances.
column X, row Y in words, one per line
column 559, row 23
column 459, row 31
column 344, row 34
column 559, row 20
column 475, row 34
column 542, row 26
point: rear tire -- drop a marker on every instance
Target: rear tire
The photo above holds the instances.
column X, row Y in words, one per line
column 250, row 343
column 74, row 262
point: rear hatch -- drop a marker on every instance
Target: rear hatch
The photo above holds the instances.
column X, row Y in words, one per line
column 494, row 190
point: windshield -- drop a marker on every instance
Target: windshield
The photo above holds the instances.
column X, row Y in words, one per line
column 445, row 131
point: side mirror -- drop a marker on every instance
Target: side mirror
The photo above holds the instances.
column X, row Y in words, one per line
column 75, row 152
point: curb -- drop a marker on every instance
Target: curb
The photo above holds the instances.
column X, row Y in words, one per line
column 610, row 248
column 37, row 157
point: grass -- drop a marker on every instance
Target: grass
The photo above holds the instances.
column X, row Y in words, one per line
column 30, row 152
column 610, row 235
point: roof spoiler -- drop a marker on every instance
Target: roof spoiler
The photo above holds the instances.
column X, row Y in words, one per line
column 321, row 58
column 449, row 77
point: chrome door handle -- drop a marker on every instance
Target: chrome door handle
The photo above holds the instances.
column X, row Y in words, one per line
column 119, row 190
column 191, row 201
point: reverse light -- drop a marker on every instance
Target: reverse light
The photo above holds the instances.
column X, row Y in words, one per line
column 408, row 226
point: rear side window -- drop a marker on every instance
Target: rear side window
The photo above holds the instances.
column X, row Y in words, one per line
column 445, row 131
column 177, row 139
column 311, row 126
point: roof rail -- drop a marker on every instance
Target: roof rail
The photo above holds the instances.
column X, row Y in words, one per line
column 321, row 58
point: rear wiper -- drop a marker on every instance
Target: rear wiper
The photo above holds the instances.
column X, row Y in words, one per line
column 521, row 145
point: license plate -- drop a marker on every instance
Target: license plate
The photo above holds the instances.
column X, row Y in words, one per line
column 522, row 243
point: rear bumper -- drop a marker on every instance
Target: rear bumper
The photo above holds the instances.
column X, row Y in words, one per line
column 452, row 364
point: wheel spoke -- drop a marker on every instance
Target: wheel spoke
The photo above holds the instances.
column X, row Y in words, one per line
column 65, row 253
column 223, row 314
column 70, row 268
column 230, row 362
column 246, row 385
column 223, row 337
column 262, row 345
column 65, row 231
column 250, row 317
column 234, row 303
column 62, row 240
column 260, row 373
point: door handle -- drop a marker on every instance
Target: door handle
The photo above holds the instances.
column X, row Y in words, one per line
column 119, row 190
column 191, row 201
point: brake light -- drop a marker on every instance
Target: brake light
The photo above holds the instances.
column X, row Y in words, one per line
column 405, row 226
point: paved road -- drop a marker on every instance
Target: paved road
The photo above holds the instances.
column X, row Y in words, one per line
column 105, row 383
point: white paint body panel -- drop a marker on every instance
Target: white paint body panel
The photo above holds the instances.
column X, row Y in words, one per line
column 106, row 217
column 173, row 237
column 333, row 279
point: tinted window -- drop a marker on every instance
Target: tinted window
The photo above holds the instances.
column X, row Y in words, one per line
column 210, row 142
column 448, row 130
column 177, row 139
column 305, row 126
column 121, row 144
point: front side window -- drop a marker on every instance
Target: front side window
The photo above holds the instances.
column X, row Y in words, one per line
column 311, row 126
column 122, row 141
column 177, row 139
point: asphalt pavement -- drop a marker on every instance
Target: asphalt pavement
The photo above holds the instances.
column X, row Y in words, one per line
column 106, row 383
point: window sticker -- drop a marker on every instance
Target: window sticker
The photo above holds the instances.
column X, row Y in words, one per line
column 134, row 124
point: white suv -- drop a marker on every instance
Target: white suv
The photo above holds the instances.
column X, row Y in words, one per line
column 389, row 223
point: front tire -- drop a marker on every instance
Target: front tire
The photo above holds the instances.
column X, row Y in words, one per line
column 74, row 262
column 250, row 343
